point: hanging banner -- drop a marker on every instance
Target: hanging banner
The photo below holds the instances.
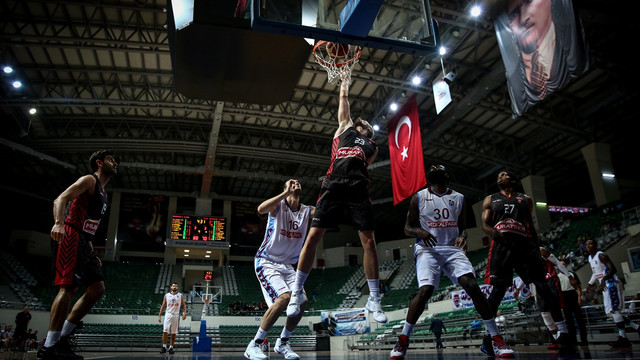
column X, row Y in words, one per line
column 350, row 322
column 461, row 300
column 405, row 152
column 543, row 47
column 441, row 94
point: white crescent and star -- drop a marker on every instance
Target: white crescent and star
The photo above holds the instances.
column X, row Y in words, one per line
column 403, row 121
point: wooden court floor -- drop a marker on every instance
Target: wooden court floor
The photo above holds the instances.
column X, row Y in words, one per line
column 533, row 352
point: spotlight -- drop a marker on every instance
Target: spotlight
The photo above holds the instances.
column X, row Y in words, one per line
column 376, row 127
column 416, row 80
column 393, row 107
column 7, row 69
column 476, row 11
column 17, row 84
column 443, row 50
column 33, row 111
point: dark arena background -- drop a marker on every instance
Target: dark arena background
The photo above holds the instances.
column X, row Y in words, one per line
column 210, row 106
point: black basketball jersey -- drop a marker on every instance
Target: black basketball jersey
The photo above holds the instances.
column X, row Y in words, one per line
column 86, row 210
column 349, row 154
column 510, row 214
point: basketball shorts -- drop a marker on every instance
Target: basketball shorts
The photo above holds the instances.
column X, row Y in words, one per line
column 171, row 323
column 335, row 200
column 275, row 278
column 613, row 298
column 430, row 262
column 516, row 254
column 75, row 263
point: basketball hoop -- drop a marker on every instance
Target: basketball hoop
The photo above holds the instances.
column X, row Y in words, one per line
column 337, row 59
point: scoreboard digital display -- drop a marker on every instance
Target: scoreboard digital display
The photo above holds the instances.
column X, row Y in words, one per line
column 208, row 275
column 198, row 228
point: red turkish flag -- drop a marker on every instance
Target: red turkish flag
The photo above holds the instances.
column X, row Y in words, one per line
column 405, row 151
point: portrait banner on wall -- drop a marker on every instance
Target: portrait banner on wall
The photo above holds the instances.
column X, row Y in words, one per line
column 543, row 47
column 143, row 222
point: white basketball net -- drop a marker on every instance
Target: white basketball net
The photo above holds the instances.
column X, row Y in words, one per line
column 338, row 68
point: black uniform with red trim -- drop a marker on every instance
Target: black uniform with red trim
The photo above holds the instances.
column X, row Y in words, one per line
column 75, row 261
column 346, row 185
column 519, row 251
column 554, row 284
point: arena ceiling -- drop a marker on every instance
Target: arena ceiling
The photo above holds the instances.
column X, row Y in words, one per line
column 100, row 75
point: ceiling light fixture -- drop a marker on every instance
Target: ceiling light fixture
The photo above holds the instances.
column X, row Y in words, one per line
column 476, row 10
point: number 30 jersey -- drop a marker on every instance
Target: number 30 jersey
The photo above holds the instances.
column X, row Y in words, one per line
column 285, row 234
column 439, row 215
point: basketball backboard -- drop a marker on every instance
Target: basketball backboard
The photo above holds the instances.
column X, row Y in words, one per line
column 201, row 294
column 397, row 25
column 238, row 50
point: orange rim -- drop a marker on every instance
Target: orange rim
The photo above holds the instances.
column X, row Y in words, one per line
column 338, row 64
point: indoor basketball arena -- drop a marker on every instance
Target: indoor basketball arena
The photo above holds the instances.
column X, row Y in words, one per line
column 334, row 179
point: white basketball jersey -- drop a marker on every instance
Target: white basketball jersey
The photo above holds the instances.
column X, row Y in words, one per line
column 439, row 215
column 599, row 269
column 174, row 302
column 285, row 234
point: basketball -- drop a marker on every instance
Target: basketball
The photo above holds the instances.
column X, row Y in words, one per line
column 337, row 51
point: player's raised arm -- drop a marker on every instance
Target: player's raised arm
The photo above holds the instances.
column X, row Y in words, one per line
column 271, row 205
column 344, row 109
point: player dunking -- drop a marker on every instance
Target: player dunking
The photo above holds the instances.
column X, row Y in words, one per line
column 345, row 188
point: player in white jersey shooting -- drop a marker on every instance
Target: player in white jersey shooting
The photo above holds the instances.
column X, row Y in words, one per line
column 436, row 218
column 173, row 301
column 283, row 238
